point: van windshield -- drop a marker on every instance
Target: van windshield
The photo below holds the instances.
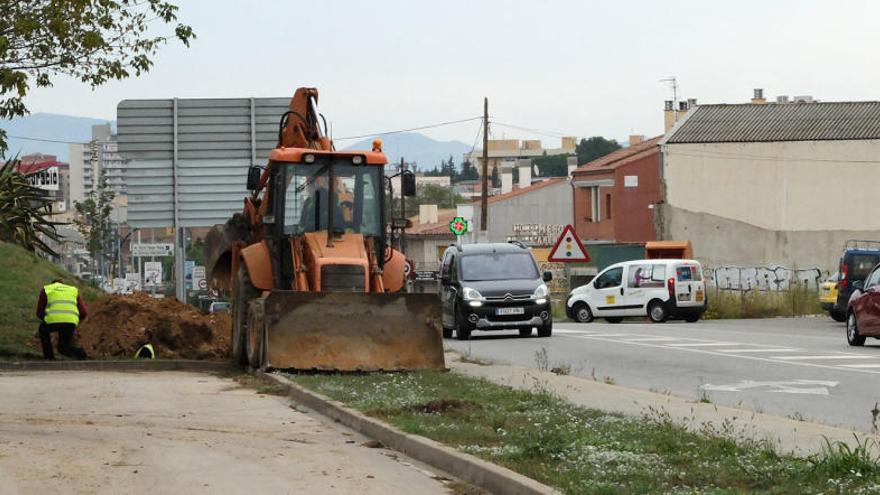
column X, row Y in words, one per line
column 498, row 266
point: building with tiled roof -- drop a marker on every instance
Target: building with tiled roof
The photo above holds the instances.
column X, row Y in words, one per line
column 768, row 183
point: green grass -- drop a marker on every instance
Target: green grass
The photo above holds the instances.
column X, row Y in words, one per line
column 584, row 451
column 734, row 305
column 22, row 275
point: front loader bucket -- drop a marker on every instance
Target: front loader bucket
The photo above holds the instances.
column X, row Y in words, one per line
column 352, row 331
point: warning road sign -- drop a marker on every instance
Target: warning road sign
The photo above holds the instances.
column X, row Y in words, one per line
column 568, row 248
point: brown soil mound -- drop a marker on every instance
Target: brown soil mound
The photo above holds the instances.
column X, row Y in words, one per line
column 118, row 325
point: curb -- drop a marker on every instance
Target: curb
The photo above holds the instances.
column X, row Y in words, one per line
column 483, row 474
column 140, row 365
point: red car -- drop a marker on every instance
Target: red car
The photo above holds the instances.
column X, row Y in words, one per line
column 863, row 312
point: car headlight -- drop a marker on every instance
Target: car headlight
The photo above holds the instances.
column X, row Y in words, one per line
column 470, row 294
column 540, row 292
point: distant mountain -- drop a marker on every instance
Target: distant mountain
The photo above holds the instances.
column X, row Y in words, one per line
column 51, row 127
column 414, row 147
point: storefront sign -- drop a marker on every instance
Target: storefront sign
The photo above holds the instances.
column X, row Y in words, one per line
column 535, row 234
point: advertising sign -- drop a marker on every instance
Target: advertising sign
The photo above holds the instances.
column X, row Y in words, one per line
column 46, row 179
column 152, row 273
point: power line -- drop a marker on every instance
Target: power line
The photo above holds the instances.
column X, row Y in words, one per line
column 43, row 140
column 536, row 131
column 419, row 128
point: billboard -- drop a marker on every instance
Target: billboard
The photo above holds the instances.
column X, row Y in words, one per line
column 47, row 179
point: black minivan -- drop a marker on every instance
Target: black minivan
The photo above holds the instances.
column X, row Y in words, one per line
column 493, row 287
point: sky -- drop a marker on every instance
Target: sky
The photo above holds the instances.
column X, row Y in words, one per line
column 580, row 68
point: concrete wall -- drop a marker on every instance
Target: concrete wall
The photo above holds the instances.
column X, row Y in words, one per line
column 782, row 186
column 547, row 205
column 721, row 241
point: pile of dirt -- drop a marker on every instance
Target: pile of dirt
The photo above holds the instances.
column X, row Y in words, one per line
column 118, row 325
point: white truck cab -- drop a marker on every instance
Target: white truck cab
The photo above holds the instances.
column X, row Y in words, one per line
column 659, row 289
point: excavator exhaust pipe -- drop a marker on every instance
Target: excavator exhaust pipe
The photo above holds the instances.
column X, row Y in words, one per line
column 346, row 331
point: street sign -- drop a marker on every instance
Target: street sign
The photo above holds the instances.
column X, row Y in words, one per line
column 568, row 248
column 152, row 273
column 198, row 277
column 427, row 275
column 144, row 250
column 458, row 226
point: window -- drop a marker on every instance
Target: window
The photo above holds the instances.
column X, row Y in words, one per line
column 497, row 266
column 595, row 214
column 646, row 276
column 873, row 279
column 860, row 265
column 608, row 206
column 688, row 273
column 611, row 278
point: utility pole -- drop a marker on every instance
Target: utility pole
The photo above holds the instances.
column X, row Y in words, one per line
column 402, row 203
column 484, row 198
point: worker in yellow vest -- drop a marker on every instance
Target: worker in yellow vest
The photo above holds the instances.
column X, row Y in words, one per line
column 60, row 309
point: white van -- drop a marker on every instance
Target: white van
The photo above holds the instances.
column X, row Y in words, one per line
column 660, row 289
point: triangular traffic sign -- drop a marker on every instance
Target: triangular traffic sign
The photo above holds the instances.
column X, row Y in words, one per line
column 568, row 248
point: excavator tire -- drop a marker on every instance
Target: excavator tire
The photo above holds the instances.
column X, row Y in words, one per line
column 243, row 293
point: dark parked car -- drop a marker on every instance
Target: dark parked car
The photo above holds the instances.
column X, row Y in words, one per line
column 858, row 258
column 493, row 287
column 863, row 315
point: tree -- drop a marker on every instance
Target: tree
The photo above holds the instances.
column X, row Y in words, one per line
column 23, row 211
column 93, row 220
column 94, row 41
column 468, row 172
column 595, row 147
column 552, row 165
column 496, row 180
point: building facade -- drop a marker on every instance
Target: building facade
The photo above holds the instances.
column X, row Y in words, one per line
column 89, row 160
column 613, row 196
column 783, row 183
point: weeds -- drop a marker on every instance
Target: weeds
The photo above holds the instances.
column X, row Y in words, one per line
column 609, row 380
column 762, row 304
column 584, row 451
column 542, row 360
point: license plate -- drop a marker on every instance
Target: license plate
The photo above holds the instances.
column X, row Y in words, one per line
column 699, row 296
column 684, row 297
column 510, row 311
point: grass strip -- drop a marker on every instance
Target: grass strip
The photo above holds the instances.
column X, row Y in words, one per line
column 586, row 451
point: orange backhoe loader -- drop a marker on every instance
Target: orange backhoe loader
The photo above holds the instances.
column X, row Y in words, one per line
column 315, row 282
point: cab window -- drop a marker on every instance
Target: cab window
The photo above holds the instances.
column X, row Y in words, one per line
column 873, row 279
column 610, row 278
column 646, row 276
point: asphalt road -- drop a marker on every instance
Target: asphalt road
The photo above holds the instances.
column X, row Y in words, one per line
column 801, row 368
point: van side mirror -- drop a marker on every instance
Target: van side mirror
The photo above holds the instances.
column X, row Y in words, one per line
column 548, row 276
column 408, row 183
column 253, row 178
column 444, row 278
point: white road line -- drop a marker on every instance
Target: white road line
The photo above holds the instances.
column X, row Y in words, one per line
column 860, row 365
column 607, row 335
column 704, row 344
column 578, row 332
column 822, row 358
column 653, row 339
column 759, row 350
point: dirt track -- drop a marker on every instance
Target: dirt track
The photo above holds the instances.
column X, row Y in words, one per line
column 173, row 432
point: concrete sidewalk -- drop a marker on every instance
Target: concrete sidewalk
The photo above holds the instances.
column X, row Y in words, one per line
column 787, row 435
column 176, row 432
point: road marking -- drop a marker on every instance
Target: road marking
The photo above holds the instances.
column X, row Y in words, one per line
column 813, row 387
column 579, row 332
column 607, row 335
column 759, row 350
column 860, row 365
column 653, row 339
column 822, row 358
column 704, row 344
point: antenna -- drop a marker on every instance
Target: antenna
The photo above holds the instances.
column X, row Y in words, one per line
column 673, row 83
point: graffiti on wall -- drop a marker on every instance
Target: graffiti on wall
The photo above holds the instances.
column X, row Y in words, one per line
column 762, row 278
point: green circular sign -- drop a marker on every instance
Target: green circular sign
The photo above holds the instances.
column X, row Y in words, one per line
column 458, row 226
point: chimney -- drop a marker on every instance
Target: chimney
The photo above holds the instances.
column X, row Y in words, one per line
column 427, row 214
column 692, row 103
column 506, row 178
column 682, row 106
column 525, row 172
column 758, row 98
column 782, row 99
column 636, row 139
column 572, row 163
column 667, row 106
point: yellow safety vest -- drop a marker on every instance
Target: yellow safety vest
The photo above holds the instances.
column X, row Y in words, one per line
column 61, row 304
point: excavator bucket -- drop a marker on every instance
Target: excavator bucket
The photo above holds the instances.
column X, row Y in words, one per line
column 349, row 331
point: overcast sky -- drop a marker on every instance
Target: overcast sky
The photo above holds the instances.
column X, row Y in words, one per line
column 575, row 67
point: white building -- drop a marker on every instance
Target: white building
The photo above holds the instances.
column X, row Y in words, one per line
column 88, row 160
